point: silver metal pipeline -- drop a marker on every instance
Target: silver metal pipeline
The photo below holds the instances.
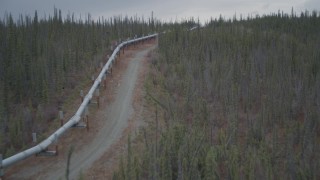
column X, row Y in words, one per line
column 77, row 117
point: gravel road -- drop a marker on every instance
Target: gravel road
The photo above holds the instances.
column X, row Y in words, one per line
column 115, row 116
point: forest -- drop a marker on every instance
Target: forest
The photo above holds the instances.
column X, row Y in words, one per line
column 43, row 61
column 234, row 99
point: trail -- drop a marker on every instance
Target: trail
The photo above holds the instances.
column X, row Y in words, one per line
column 107, row 124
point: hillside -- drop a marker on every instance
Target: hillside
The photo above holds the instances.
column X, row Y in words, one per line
column 233, row 99
column 44, row 63
column 236, row 99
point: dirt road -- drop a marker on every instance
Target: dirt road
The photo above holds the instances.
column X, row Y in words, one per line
column 106, row 127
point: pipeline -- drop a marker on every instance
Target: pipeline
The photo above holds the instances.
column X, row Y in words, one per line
column 77, row 117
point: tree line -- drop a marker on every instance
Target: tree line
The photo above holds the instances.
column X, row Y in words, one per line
column 236, row 99
column 42, row 60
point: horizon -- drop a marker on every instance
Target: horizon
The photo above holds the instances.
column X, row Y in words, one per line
column 83, row 17
column 165, row 11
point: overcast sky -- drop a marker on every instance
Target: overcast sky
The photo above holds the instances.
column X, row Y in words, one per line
column 162, row 9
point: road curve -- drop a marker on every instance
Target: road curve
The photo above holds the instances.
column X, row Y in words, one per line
column 115, row 117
